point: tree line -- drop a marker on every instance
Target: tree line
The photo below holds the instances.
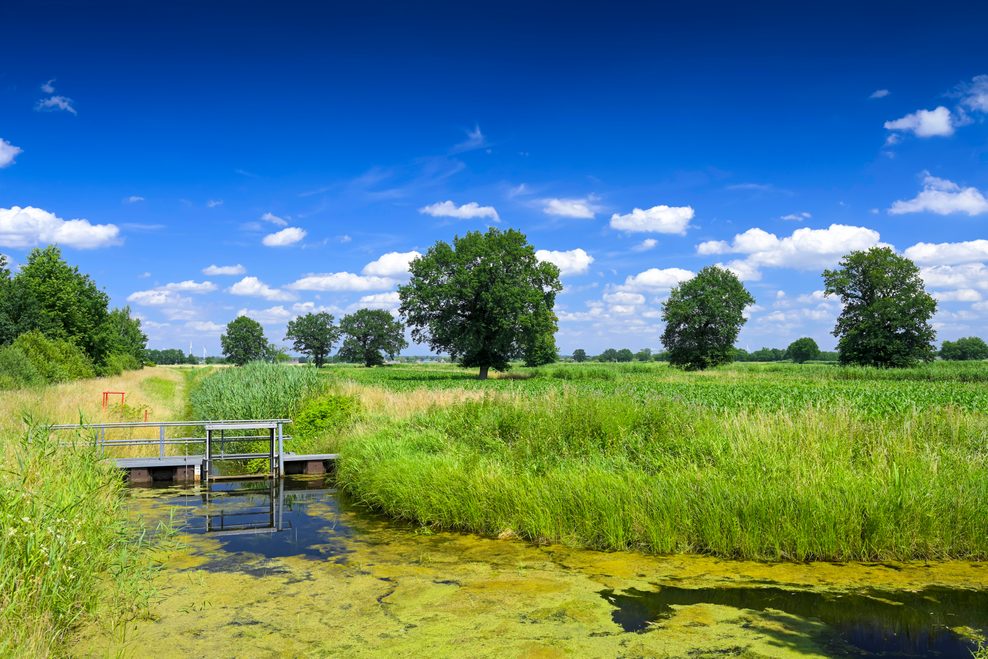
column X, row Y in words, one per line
column 57, row 325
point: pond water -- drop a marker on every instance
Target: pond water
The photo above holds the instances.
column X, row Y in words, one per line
column 289, row 568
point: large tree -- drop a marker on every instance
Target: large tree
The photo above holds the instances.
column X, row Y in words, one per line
column 703, row 317
column 802, row 350
column 486, row 299
column 314, row 335
column 886, row 317
column 125, row 335
column 579, row 355
column 369, row 334
column 244, row 341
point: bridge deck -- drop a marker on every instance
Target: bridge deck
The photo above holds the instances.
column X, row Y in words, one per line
column 193, row 460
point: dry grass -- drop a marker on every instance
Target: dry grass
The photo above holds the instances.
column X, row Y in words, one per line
column 403, row 404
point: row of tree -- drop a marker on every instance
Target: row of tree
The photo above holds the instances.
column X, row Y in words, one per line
column 56, row 324
column 368, row 335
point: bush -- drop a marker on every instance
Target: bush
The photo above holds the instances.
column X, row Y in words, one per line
column 57, row 360
column 334, row 412
column 256, row 391
column 119, row 362
column 16, row 370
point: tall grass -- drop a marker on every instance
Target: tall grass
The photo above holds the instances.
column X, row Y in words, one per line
column 66, row 551
column 613, row 472
column 255, row 391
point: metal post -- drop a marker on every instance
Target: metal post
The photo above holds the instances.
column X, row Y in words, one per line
column 205, row 460
column 281, row 452
column 271, row 448
column 102, row 441
column 161, row 441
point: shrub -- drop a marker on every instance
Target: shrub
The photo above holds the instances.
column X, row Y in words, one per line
column 333, row 412
column 57, row 360
column 16, row 370
column 119, row 362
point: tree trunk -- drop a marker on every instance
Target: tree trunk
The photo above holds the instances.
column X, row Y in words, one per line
column 483, row 372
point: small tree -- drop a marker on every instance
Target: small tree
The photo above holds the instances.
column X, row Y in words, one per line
column 624, row 355
column 485, row 299
column 369, row 333
column 802, row 350
column 886, row 317
column 579, row 355
column 970, row 347
column 703, row 317
column 314, row 335
column 644, row 355
column 244, row 341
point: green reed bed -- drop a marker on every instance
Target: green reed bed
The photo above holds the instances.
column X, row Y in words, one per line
column 661, row 475
column 66, row 549
column 255, row 391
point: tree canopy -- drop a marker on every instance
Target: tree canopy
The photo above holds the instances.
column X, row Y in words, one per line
column 579, row 355
column 314, row 335
column 886, row 317
column 485, row 299
column 703, row 317
column 369, row 335
column 968, row 348
column 244, row 341
column 803, row 350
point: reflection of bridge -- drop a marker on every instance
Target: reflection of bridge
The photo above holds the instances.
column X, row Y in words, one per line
column 215, row 447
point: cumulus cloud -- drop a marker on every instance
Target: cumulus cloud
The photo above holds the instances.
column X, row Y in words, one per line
column 467, row 211
column 30, row 226
column 387, row 301
column 577, row 208
column 879, row 93
column 656, row 279
column 158, row 297
column 8, row 152
column 254, row 287
column 274, row 219
column 571, row 262
column 645, row 245
column 969, row 275
column 925, row 123
column 205, row 326
column 213, row 270
column 948, row 253
column 285, row 237
column 392, row 264
column 942, row 197
column 958, row 295
column 189, row 286
column 657, row 219
column 270, row 316
column 342, row 281
column 805, row 249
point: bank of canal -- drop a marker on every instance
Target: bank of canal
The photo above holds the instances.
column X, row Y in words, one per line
column 263, row 568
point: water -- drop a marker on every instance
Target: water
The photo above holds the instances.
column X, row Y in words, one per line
column 291, row 568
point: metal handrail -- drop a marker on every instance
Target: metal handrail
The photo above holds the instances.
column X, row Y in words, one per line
column 155, row 424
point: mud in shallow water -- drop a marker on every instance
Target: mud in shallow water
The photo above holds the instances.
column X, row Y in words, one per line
column 289, row 569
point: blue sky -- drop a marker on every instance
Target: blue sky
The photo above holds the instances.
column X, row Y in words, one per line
column 307, row 151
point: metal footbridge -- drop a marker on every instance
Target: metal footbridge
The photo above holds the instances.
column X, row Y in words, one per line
column 197, row 450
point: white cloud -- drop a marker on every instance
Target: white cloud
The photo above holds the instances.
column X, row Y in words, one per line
column 925, row 123
column 270, row 316
column 48, row 87
column 942, row 197
column 30, row 226
column 392, row 264
column 959, row 295
column 975, row 94
column 969, row 275
column 213, row 270
column 475, row 140
column 274, row 219
column 285, row 237
column 134, row 199
column 796, row 217
column 879, row 93
column 158, row 298
column 341, row 281
column 53, row 103
column 578, row 208
column 205, row 326
column 624, row 298
column 254, row 287
column 571, row 262
column 8, row 152
column 645, row 245
column 213, row 203
column 657, row 219
column 189, row 286
column 387, row 301
column 467, row 211
column 655, row 279
column 805, row 249
column 948, row 253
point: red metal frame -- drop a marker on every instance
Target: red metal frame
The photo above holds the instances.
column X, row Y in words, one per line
column 107, row 394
